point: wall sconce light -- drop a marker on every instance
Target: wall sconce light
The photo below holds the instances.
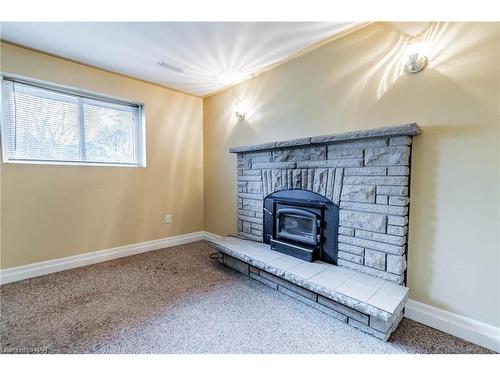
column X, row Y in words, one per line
column 239, row 110
column 416, row 60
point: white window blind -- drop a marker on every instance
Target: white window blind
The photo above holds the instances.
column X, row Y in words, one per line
column 43, row 124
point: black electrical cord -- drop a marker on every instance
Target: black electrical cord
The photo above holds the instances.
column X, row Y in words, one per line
column 215, row 255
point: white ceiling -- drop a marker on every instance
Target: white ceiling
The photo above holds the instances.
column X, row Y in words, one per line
column 201, row 49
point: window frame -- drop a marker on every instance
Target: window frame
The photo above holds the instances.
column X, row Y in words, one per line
column 81, row 96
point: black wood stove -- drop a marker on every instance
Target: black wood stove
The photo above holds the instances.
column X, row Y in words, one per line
column 302, row 224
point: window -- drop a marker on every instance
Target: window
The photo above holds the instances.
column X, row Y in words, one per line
column 45, row 124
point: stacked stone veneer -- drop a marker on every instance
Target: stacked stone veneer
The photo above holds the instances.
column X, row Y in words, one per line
column 366, row 173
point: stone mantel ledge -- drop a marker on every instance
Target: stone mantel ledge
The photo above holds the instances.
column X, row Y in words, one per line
column 411, row 129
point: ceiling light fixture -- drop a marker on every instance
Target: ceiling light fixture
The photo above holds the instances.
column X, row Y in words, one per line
column 176, row 69
column 231, row 77
column 416, row 60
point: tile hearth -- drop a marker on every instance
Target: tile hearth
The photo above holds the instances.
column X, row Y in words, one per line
column 368, row 303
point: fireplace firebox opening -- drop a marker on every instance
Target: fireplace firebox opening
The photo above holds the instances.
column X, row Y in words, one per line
column 302, row 224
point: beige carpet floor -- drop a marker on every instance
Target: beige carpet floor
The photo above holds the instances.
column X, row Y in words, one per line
column 177, row 300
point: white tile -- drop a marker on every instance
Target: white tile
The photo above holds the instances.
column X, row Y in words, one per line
column 329, row 279
column 393, row 289
column 257, row 253
column 356, row 291
column 238, row 244
column 368, row 281
column 263, row 255
column 307, row 270
column 340, row 272
column 385, row 302
column 286, row 262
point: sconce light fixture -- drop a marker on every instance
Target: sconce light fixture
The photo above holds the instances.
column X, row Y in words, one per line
column 239, row 110
column 416, row 60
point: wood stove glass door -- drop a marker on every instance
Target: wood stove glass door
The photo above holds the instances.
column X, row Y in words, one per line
column 297, row 225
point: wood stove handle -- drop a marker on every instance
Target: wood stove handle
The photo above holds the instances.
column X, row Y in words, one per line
column 267, row 211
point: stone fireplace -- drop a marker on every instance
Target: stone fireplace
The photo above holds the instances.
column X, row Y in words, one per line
column 325, row 221
column 364, row 173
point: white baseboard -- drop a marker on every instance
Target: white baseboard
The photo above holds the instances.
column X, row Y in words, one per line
column 211, row 236
column 460, row 326
column 10, row 275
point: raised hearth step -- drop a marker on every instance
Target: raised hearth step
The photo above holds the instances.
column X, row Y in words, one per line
column 365, row 302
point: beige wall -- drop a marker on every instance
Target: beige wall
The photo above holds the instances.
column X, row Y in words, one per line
column 56, row 211
column 355, row 83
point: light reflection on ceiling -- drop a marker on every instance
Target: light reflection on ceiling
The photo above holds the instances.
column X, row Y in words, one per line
column 187, row 56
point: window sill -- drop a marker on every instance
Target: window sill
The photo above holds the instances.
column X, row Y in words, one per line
column 74, row 164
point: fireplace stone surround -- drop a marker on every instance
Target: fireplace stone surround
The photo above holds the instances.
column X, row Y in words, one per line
column 365, row 175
